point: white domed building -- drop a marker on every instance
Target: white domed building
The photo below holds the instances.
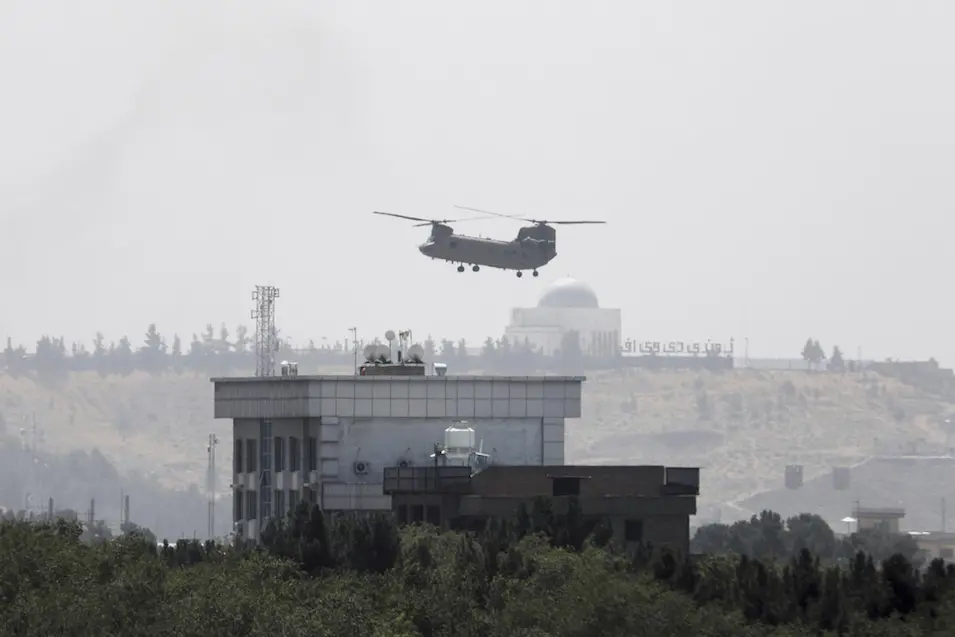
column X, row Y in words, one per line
column 566, row 305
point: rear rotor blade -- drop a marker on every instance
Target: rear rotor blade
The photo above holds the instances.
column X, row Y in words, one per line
column 495, row 214
column 540, row 221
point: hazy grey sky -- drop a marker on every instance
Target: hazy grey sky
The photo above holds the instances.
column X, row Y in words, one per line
column 769, row 169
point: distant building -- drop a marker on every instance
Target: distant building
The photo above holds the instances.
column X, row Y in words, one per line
column 643, row 504
column 935, row 544
column 567, row 305
column 885, row 518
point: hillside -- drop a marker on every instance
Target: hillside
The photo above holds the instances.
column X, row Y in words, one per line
column 742, row 427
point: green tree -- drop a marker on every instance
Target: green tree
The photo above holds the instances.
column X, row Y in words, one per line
column 123, row 361
column 175, row 355
column 15, row 358
column 152, row 355
column 836, row 362
column 49, row 360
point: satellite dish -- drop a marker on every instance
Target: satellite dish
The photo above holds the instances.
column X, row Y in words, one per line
column 390, row 335
column 416, row 352
column 370, row 352
column 384, row 350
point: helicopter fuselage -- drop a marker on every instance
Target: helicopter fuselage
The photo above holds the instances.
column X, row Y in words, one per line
column 534, row 247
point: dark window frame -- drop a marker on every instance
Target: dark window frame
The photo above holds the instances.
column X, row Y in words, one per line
column 278, row 453
column 565, row 486
column 278, row 504
column 251, row 455
column 312, row 453
column 237, row 456
column 633, row 530
column 294, row 454
column 251, row 504
column 237, row 508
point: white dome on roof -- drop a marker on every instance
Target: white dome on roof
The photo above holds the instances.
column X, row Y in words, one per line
column 568, row 293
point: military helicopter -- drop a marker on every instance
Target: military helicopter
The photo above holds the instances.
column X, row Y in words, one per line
column 534, row 247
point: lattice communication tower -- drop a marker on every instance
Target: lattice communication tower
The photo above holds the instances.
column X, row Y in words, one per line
column 266, row 342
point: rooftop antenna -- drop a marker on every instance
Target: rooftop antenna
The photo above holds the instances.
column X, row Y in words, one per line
column 404, row 344
column 266, row 342
column 354, row 339
column 390, row 337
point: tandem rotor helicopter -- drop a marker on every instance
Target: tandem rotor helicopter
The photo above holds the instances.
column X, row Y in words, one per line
column 534, row 247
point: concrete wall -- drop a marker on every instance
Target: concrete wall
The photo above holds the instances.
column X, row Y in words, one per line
column 399, row 397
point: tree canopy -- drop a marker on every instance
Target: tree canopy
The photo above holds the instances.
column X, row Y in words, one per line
column 318, row 574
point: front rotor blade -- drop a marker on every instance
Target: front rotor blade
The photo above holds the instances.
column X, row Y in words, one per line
column 394, row 214
column 570, row 223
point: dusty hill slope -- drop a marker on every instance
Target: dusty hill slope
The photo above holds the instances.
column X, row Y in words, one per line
column 742, row 427
column 918, row 484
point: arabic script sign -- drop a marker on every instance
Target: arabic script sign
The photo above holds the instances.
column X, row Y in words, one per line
column 677, row 348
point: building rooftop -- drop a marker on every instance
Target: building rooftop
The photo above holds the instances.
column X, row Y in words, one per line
column 395, row 378
column 568, row 293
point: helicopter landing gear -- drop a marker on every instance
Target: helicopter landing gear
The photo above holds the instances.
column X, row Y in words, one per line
column 535, row 272
column 519, row 274
column 460, row 268
column 475, row 268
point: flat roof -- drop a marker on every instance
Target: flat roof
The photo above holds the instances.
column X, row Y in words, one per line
column 386, row 378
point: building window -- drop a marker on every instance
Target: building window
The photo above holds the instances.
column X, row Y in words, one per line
column 417, row 513
column 237, row 457
column 633, row 530
column 237, row 505
column 294, row 455
column 292, row 499
column 279, row 454
column 312, row 454
column 279, row 503
column 946, row 554
column 566, row 486
column 250, row 454
column 266, row 502
column 433, row 515
column 251, row 505
column 403, row 514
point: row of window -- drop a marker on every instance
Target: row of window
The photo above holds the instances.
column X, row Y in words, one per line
column 285, row 458
column 245, row 504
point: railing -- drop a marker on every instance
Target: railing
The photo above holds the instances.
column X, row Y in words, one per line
column 398, row 480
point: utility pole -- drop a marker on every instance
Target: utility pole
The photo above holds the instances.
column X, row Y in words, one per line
column 354, row 339
column 211, row 484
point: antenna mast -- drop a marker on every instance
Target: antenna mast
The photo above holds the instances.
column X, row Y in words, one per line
column 211, row 484
column 265, row 340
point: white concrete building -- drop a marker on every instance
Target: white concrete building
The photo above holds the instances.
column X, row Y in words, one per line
column 327, row 439
column 565, row 305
